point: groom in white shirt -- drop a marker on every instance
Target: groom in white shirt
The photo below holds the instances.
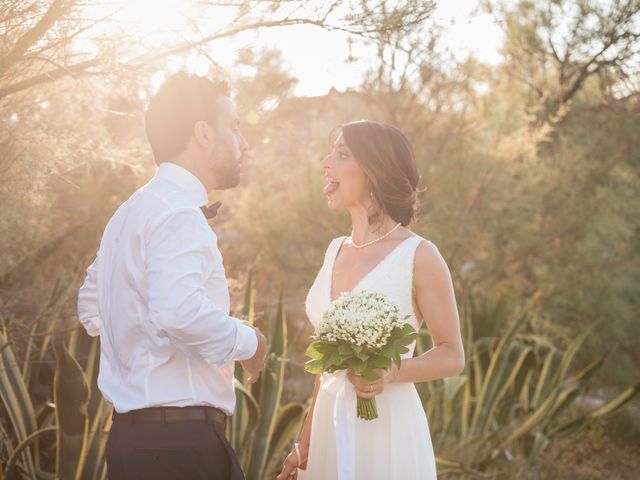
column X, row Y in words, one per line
column 157, row 296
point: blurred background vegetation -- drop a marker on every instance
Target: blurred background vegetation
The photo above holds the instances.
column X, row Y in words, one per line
column 532, row 174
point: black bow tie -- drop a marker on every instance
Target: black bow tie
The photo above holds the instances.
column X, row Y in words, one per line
column 211, row 210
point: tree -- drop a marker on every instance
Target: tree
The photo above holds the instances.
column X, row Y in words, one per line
column 42, row 36
column 556, row 46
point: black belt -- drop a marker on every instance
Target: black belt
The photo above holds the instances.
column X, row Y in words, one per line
column 173, row 415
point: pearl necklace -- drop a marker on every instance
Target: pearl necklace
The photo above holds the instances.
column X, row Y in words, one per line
column 372, row 241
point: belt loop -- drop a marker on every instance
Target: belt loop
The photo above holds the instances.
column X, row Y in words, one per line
column 132, row 416
column 164, row 415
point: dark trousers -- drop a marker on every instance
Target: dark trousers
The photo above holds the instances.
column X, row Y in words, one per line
column 170, row 451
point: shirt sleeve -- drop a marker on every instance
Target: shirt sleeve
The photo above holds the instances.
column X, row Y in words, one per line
column 177, row 249
column 88, row 301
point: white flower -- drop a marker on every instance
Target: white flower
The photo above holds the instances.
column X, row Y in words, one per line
column 365, row 319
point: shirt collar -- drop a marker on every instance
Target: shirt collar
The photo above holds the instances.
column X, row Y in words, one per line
column 184, row 179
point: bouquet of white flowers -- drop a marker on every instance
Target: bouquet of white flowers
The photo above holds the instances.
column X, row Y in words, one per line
column 361, row 331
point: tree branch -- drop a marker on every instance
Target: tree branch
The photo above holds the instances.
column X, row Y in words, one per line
column 57, row 10
column 79, row 69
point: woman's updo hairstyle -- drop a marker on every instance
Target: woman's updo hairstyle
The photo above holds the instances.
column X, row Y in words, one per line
column 386, row 156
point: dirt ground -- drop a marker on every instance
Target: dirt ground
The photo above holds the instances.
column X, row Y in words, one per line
column 594, row 454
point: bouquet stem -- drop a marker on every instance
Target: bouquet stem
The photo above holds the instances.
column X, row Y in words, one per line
column 367, row 409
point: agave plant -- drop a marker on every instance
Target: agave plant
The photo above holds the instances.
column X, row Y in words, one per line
column 62, row 435
column 58, row 428
column 515, row 395
column 262, row 427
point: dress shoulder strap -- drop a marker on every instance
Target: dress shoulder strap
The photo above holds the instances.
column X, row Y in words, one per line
column 395, row 277
column 332, row 249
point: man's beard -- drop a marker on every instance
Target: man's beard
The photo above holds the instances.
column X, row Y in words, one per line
column 226, row 169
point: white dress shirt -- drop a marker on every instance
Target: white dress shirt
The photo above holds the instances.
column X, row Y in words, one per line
column 158, row 297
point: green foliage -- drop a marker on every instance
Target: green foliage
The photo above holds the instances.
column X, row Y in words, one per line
column 529, row 190
column 333, row 356
column 76, row 419
column 260, row 431
column 327, row 356
column 71, row 396
column 517, row 393
column 532, row 177
column 262, row 428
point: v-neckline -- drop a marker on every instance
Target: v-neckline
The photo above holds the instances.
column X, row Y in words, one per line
column 362, row 279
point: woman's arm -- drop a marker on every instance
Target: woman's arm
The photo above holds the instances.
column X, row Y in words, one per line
column 292, row 461
column 436, row 303
column 305, row 435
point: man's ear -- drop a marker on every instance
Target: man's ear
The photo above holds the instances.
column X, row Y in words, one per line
column 204, row 134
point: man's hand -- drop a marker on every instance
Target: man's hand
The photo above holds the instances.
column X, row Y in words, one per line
column 255, row 364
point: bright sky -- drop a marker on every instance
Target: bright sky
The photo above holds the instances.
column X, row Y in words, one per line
column 319, row 60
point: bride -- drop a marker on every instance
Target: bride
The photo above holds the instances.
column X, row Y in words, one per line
column 371, row 172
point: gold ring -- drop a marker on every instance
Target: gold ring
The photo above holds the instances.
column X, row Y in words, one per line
column 370, row 388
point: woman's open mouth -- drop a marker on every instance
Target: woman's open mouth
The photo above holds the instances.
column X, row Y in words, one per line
column 330, row 187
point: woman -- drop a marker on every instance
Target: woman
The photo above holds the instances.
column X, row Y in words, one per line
column 371, row 172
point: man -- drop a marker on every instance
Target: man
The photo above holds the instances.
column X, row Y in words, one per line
column 157, row 296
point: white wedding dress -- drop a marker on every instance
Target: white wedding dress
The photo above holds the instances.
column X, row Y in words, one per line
column 397, row 444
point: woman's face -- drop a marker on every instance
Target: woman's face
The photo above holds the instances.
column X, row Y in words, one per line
column 347, row 184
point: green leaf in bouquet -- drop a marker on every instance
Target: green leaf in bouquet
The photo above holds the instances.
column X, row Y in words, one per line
column 393, row 336
column 407, row 339
column 379, row 361
column 397, row 359
column 369, row 375
column 326, row 348
column 313, row 352
column 352, row 362
column 333, row 358
column 388, row 352
column 360, row 369
column 363, row 355
column 407, row 328
column 404, row 339
column 348, row 350
column 398, row 363
column 404, row 335
column 314, row 366
column 356, row 365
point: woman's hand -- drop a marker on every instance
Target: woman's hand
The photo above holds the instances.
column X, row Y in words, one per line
column 368, row 389
column 292, row 463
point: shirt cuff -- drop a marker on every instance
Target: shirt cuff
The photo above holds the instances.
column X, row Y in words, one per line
column 246, row 342
column 92, row 326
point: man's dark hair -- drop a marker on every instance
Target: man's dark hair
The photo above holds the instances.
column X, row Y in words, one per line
column 180, row 102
